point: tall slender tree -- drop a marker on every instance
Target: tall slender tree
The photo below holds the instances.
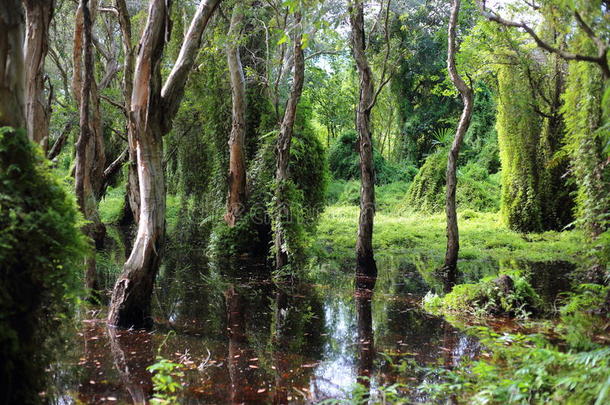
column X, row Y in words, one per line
column 283, row 145
column 236, row 197
column 453, row 238
column 366, row 268
column 152, row 110
column 88, row 174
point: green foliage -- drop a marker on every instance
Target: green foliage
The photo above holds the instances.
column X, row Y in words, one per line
column 304, row 194
column 41, row 253
column 489, row 296
column 344, row 162
column 288, row 221
column 476, row 189
column 586, row 137
column 112, row 206
column 423, row 111
column 166, row 381
column 519, row 133
column 528, row 370
column 580, row 316
column 426, row 193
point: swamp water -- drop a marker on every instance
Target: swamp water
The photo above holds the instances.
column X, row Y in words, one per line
column 249, row 340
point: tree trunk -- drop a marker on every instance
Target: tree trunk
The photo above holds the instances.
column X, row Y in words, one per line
column 38, row 18
column 366, row 268
column 86, row 147
column 152, row 111
column 283, row 146
column 130, row 305
column 453, row 239
column 132, row 195
column 236, row 198
column 12, row 66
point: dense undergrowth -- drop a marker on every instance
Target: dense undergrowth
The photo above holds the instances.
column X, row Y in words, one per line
column 41, row 253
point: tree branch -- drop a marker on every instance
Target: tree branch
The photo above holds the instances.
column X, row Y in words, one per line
column 172, row 91
column 112, row 102
column 601, row 60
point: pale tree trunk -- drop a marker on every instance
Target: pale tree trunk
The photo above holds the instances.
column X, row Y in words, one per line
column 236, row 198
column 453, row 239
column 132, row 195
column 152, row 111
column 366, row 268
column 283, row 146
column 38, row 17
column 12, row 66
column 87, row 144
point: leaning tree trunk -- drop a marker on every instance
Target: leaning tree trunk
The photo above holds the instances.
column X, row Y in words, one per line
column 38, row 18
column 130, row 305
column 12, row 66
column 366, row 268
column 87, row 143
column 236, row 198
column 453, row 238
column 283, row 147
column 152, row 111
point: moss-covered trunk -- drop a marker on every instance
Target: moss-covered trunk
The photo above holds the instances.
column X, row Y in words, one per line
column 519, row 129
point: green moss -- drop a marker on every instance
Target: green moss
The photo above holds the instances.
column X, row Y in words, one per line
column 519, row 130
column 586, row 135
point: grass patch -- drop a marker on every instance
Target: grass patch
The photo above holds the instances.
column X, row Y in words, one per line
column 112, row 205
column 481, row 236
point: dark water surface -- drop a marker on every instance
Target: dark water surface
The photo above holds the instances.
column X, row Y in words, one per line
column 248, row 340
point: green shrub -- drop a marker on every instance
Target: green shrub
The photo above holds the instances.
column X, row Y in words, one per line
column 476, row 189
column 521, row 369
column 580, row 316
column 306, row 191
column 510, row 295
column 426, row 193
column 334, row 190
column 41, row 256
column 344, row 162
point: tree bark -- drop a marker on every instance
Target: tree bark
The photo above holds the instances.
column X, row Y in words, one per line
column 152, row 111
column 38, row 18
column 132, row 195
column 130, row 305
column 283, row 146
column 366, row 268
column 12, row 66
column 453, row 238
column 87, row 145
column 236, row 198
